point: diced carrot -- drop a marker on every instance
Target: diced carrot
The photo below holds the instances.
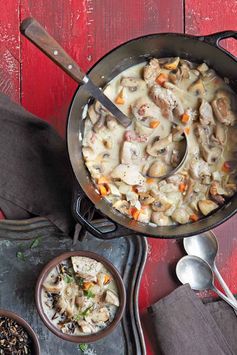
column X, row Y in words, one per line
column 120, row 98
column 136, row 215
column 87, row 285
column 182, row 187
column 154, row 124
column 187, row 130
column 150, row 180
column 193, row 217
column 161, row 79
column 103, row 180
column 103, row 191
column 226, row 167
column 185, row 118
column 107, row 279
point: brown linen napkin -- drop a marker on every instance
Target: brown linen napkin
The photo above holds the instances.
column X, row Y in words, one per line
column 183, row 325
column 35, row 173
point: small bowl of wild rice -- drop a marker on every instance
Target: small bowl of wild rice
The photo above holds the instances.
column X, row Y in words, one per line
column 16, row 335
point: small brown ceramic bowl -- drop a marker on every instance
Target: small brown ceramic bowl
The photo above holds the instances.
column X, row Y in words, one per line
column 26, row 326
column 90, row 337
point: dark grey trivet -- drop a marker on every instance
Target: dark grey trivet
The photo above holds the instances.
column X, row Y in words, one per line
column 18, row 278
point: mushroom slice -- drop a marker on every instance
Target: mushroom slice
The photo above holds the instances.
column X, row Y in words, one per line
column 93, row 115
column 160, row 205
column 122, row 206
column 166, row 100
column 211, row 154
column 145, row 198
column 53, row 288
column 197, row 88
column 181, row 215
column 99, row 316
column 86, row 268
column 207, row 206
column 220, row 133
column 95, row 169
column 111, row 122
column 111, row 298
column 130, row 153
column 129, row 174
column 160, row 219
column 198, row 167
column 205, row 113
column 222, row 108
column 203, row 68
column 99, row 124
column 157, row 145
column 158, row 169
column 151, row 71
column 172, row 63
column 131, row 83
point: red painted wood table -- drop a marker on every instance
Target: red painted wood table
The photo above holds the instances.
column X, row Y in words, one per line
column 88, row 29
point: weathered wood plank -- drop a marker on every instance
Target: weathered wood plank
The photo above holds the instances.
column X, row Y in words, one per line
column 10, row 50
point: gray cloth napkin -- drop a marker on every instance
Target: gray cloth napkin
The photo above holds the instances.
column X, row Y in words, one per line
column 183, row 325
column 35, row 173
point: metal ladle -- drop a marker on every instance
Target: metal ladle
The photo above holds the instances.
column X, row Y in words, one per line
column 205, row 246
column 198, row 274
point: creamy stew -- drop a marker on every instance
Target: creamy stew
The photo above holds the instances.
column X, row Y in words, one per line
column 165, row 99
column 80, row 296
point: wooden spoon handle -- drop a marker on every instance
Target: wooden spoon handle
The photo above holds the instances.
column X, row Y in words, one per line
column 32, row 30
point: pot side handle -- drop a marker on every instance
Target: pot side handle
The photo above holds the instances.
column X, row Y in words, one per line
column 117, row 232
column 215, row 38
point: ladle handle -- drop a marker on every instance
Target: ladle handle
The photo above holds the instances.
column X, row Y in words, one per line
column 226, row 299
column 31, row 29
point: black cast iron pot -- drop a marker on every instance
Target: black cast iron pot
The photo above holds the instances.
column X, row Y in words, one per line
column 196, row 49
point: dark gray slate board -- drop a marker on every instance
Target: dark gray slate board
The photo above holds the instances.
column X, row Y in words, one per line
column 18, row 278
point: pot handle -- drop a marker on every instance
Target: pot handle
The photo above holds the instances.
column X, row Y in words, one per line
column 215, row 38
column 117, row 232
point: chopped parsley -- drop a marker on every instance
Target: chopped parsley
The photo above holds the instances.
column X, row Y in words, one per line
column 35, row 243
column 21, row 256
column 83, row 347
column 80, row 281
column 83, row 314
column 68, row 279
column 89, row 294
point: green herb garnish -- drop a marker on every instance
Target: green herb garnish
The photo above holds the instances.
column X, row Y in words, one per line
column 83, row 314
column 21, row 256
column 68, row 279
column 35, row 243
column 89, row 294
column 83, row 347
column 80, row 281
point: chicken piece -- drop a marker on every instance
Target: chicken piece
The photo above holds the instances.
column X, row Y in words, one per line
column 129, row 174
column 207, row 206
column 144, row 215
column 198, row 168
column 130, row 153
column 222, row 108
column 86, row 268
column 160, row 219
column 172, row 63
column 151, row 71
column 157, row 145
column 160, row 204
column 205, row 113
column 98, row 316
column 181, row 215
column 143, row 109
column 111, row 298
column 166, row 100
